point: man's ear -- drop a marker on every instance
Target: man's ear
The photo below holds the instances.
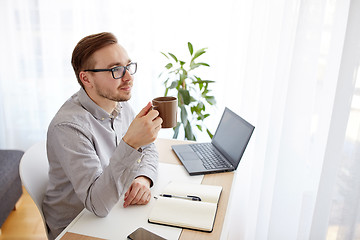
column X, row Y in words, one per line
column 85, row 79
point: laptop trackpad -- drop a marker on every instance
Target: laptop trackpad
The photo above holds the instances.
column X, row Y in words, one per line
column 188, row 156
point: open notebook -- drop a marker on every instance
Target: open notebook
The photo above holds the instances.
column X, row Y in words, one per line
column 192, row 206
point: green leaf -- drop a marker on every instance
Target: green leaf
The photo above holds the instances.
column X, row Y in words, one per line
column 191, row 49
column 183, row 115
column 173, row 84
column 198, row 53
column 199, row 127
column 203, row 94
column 204, row 64
column 164, row 55
column 166, row 81
column 182, row 78
column 185, row 95
column 211, row 100
column 206, row 87
column 201, row 86
column 196, row 78
column 209, row 133
column 188, row 132
column 176, row 130
column 184, row 72
column 196, row 65
column 182, row 63
column 208, row 81
column 169, row 65
column 173, row 56
column 192, row 99
column 201, row 105
column 201, row 82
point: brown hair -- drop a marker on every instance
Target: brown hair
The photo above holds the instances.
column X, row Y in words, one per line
column 81, row 56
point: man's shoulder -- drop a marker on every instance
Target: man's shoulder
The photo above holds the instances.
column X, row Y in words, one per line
column 72, row 113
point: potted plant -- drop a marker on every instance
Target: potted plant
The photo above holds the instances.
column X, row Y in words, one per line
column 192, row 91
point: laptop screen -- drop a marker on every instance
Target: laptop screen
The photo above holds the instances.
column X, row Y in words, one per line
column 232, row 136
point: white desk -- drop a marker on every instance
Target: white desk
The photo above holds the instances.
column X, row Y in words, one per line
column 115, row 226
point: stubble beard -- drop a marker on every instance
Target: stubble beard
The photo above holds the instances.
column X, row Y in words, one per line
column 113, row 96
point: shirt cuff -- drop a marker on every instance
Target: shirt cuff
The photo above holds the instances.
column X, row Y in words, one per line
column 147, row 172
column 126, row 154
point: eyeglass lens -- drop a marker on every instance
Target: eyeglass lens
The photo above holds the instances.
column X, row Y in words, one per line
column 119, row 72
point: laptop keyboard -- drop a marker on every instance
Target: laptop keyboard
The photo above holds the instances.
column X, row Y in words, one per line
column 209, row 158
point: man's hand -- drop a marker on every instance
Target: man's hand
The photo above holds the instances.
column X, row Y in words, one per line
column 144, row 128
column 139, row 192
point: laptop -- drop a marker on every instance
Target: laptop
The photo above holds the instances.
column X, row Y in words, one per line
column 223, row 153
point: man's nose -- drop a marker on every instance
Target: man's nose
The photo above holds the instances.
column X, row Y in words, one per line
column 127, row 76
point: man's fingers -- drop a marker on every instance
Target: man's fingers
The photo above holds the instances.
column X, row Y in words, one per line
column 158, row 121
column 145, row 110
column 138, row 193
column 127, row 193
column 132, row 194
column 138, row 199
column 142, row 198
column 153, row 119
column 152, row 114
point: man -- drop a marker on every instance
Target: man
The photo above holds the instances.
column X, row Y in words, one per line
column 97, row 148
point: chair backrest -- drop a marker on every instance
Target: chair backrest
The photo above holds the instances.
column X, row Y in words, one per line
column 34, row 168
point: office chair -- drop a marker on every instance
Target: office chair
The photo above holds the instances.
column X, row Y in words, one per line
column 34, row 168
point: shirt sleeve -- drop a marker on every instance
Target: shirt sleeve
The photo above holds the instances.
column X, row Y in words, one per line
column 149, row 163
column 98, row 187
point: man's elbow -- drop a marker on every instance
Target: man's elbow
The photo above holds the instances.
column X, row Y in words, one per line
column 100, row 213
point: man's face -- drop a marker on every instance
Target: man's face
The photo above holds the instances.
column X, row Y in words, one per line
column 105, row 85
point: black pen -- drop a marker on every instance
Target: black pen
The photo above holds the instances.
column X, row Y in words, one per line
column 193, row 198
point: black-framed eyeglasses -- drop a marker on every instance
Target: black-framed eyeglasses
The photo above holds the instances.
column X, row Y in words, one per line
column 117, row 72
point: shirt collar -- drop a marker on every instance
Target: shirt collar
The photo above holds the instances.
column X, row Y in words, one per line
column 95, row 109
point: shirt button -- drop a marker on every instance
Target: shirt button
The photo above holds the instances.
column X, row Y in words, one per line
column 139, row 160
column 102, row 119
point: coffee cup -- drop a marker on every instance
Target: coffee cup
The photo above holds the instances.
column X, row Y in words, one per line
column 167, row 108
